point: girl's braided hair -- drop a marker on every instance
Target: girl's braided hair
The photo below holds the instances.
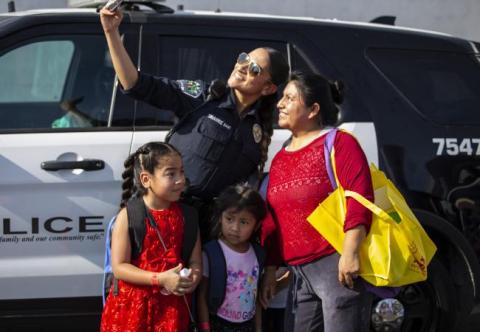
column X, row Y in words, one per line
column 146, row 158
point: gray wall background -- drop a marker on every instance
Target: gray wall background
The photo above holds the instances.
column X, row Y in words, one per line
column 457, row 17
column 33, row 4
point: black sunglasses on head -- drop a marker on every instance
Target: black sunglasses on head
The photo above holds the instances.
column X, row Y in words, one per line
column 253, row 67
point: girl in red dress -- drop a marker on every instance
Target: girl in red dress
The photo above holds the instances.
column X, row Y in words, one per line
column 151, row 292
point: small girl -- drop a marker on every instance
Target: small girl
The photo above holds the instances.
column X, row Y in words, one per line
column 232, row 264
column 154, row 173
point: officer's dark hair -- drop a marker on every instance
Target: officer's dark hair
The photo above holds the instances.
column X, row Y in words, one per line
column 146, row 158
column 238, row 197
column 314, row 88
column 278, row 70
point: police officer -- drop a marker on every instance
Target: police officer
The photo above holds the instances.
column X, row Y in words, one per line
column 223, row 133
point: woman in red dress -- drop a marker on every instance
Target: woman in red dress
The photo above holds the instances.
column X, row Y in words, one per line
column 150, row 292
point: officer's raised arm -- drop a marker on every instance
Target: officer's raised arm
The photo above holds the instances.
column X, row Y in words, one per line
column 123, row 65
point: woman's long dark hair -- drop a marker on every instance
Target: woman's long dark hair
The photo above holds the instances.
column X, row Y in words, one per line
column 278, row 70
column 146, row 158
column 315, row 88
column 238, row 197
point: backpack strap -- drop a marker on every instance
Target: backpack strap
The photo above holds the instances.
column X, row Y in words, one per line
column 107, row 263
column 190, row 230
column 260, row 253
column 136, row 213
column 108, row 244
column 217, row 279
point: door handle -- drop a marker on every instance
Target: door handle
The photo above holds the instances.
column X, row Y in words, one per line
column 87, row 165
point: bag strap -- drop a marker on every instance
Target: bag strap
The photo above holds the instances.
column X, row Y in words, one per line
column 262, row 190
column 329, row 155
column 369, row 205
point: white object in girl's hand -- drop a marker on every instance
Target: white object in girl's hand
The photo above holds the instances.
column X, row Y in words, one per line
column 112, row 5
column 164, row 291
column 185, row 272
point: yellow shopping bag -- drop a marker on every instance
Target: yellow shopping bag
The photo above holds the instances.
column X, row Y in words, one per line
column 397, row 250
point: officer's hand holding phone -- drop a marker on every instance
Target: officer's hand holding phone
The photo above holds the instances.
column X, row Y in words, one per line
column 111, row 18
column 112, row 5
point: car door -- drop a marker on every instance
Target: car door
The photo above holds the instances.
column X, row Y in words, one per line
column 63, row 140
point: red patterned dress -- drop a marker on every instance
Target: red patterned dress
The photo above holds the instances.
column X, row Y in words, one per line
column 143, row 308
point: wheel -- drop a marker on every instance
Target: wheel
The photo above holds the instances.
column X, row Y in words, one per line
column 430, row 305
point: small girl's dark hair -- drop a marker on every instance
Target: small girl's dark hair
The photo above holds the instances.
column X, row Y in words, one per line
column 146, row 158
column 238, row 197
column 317, row 89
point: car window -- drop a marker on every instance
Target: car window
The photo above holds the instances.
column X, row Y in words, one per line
column 192, row 58
column 59, row 83
column 26, row 68
column 444, row 87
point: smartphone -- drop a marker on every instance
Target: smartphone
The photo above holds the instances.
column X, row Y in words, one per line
column 112, row 5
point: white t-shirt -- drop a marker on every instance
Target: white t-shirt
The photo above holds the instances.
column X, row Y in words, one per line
column 241, row 286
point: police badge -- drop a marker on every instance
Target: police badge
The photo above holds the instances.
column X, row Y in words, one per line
column 191, row 88
column 257, row 133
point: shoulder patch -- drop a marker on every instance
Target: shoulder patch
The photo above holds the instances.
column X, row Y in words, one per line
column 192, row 88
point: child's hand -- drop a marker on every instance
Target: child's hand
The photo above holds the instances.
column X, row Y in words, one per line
column 174, row 283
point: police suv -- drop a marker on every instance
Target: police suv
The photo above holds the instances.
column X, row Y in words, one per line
column 412, row 100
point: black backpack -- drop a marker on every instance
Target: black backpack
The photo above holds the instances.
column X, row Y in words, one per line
column 137, row 213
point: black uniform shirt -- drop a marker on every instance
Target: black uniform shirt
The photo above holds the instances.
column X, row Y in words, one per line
column 218, row 147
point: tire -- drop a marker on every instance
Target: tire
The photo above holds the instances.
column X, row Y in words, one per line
column 430, row 306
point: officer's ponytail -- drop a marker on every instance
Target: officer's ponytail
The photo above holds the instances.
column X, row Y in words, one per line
column 278, row 69
column 265, row 114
